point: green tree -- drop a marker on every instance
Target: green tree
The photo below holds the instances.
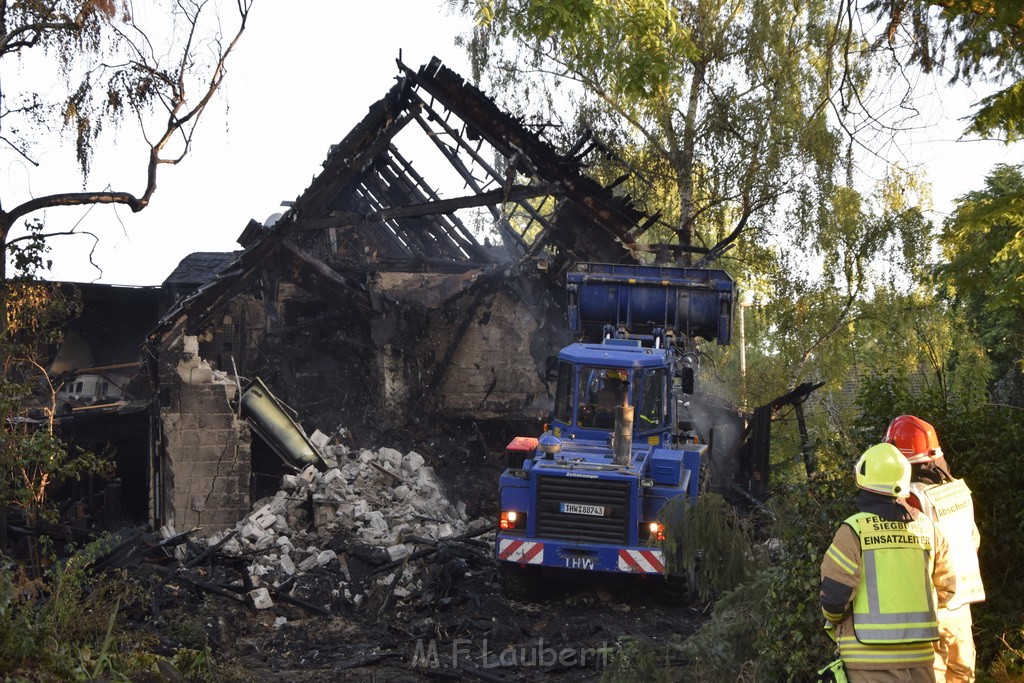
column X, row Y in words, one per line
column 983, row 244
column 722, row 105
column 738, row 134
column 32, row 455
column 97, row 66
column 980, row 39
column 841, row 300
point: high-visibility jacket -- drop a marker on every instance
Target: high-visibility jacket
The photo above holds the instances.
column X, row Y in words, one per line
column 881, row 583
column 894, row 601
column 951, row 507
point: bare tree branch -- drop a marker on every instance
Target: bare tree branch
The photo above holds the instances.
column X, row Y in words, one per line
column 136, row 83
column 20, row 151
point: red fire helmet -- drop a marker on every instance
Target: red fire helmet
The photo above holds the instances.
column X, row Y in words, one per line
column 914, row 438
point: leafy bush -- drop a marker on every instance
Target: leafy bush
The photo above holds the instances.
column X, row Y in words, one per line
column 724, row 649
column 45, row 622
column 637, row 660
column 789, row 641
column 706, row 542
column 66, row 626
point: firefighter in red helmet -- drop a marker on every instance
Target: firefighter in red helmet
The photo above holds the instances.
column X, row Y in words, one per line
column 947, row 501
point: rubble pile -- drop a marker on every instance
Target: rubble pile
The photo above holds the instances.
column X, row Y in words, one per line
column 351, row 531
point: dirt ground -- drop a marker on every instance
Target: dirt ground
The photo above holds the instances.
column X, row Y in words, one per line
column 471, row 619
column 478, row 631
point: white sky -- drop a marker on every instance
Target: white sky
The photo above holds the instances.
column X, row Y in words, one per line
column 304, row 74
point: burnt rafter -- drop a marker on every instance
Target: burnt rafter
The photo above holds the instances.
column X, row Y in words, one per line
column 464, row 171
column 456, row 231
column 395, row 187
column 339, row 219
column 314, row 276
column 451, row 153
column 616, row 215
column 348, row 159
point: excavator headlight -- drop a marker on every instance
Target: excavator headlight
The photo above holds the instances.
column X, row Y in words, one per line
column 652, row 531
column 511, row 519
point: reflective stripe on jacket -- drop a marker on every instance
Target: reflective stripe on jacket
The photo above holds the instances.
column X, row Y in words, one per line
column 857, row 655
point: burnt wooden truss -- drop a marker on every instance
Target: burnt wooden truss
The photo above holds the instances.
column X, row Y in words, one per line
column 370, row 210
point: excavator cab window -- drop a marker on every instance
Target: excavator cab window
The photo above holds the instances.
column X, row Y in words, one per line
column 600, row 390
column 564, row 391
column 651, row 407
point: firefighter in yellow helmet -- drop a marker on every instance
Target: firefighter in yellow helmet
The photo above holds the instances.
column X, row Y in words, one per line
column 884, row 577
column 947, row 502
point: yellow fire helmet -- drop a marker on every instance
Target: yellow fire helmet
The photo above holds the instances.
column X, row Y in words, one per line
column 883, row 469
column 620, row 375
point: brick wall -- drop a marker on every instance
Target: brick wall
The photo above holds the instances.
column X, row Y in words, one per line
column 206, row 458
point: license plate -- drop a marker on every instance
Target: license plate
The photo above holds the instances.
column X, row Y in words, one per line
column 580, row 509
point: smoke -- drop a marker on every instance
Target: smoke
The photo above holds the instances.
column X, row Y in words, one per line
column 719, row 425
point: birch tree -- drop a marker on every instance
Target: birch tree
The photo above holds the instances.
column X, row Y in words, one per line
column 724, row 105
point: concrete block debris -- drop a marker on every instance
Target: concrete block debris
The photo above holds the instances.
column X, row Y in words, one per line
column 384, row 508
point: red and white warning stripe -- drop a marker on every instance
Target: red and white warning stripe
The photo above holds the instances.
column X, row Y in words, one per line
column 641, row 561
column 523, row 552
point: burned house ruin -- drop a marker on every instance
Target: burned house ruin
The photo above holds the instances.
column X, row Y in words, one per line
column 378, row 298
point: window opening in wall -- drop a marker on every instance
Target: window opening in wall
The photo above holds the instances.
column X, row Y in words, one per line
column 224, row 342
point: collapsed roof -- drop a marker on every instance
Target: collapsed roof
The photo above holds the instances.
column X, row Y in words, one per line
column 516, row 199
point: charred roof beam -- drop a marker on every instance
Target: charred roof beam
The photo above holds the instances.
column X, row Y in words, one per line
column 315, row 277
column 324, row 190
column 427, row 265
column 460, row 141
column 516, row 193
column 428, row 114
column 377, row 194
column 385, row 239
column 534, row 215
column 464, row 171
column 442, row 239
column 616, row 215
column 457, row 229
column 499, row 217
column 425, row 235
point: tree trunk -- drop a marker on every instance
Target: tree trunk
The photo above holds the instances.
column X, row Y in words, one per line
column 5, row 229
column 687, row 211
